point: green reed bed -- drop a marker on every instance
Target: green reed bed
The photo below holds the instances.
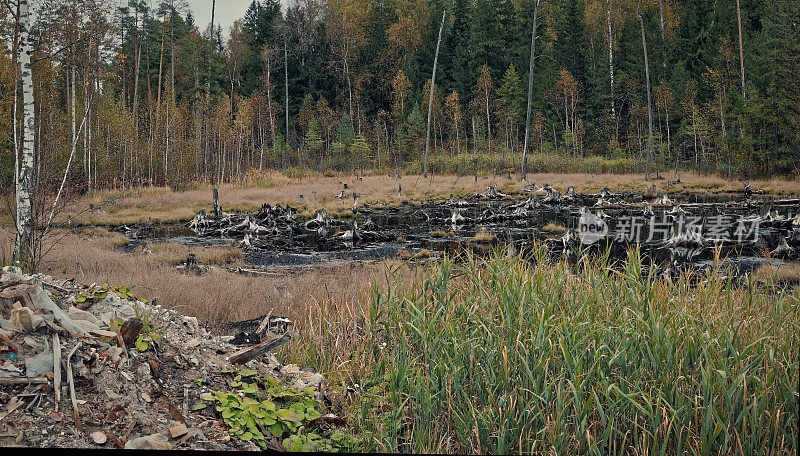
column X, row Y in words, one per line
column 522, row 355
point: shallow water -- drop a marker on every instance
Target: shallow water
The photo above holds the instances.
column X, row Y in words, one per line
column 412, row 227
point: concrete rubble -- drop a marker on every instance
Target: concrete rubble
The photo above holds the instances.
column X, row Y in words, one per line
column 69, row 380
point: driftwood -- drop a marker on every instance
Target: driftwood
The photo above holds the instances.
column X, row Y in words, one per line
column 24, row 381
column 57, row 368
column 130, row 331
column 255, row 351
column 264, row 323
column 71, row 381
column 13, row 408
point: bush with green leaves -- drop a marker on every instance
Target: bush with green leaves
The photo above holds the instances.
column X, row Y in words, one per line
column 259, row 404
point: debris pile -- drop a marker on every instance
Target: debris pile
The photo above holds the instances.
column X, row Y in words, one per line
column 97, row 367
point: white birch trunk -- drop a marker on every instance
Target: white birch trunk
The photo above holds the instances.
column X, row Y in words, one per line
column 25, row 178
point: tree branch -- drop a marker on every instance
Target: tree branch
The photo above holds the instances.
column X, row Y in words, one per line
column 65, row 47
column 7, row 3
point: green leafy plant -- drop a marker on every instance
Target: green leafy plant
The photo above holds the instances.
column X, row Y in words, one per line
column 307, row 443
column 260, row 404
column 96, row 294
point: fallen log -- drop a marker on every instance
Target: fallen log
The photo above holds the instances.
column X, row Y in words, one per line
column 24, row 381
column 255, row 351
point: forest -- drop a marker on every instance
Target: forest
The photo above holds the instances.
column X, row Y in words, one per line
column 142, row 94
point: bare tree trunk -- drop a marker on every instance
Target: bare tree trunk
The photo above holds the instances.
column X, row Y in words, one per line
column 724, row 135
column 158, row 99
column 649, row 102
column 23, row 245
column 269, row 103
column 741, row 50
column 172, row 48
column 207, row 153
column 15, row 63
column 611, row 60
column 530, row 95
column 430, row 98
column 286, row 89
column 138, row 48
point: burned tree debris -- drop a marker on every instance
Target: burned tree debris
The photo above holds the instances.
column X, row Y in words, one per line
column 677, row 229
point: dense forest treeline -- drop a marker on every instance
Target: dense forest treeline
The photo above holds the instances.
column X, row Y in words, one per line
column 147, row 95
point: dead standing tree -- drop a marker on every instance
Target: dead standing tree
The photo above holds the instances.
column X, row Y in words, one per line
column 530, row 95
column 430, row 98
column 649, row 103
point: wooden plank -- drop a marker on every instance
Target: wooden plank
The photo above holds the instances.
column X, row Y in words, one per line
column 57, row 369
column 71, row 381
column 255, row 351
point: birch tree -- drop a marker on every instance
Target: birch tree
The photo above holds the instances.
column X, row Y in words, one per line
column 23, row 245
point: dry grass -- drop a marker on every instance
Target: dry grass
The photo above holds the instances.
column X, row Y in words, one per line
column 163, row 204
column 787, row 273
column 405, row 255
column 216, row 296
column 553, row 228
column 483, row 237
column 442, row 234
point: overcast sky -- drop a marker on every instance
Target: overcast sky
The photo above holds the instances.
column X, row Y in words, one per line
column 225, row 13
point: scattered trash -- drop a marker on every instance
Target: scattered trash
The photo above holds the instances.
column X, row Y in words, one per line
column 132, row 374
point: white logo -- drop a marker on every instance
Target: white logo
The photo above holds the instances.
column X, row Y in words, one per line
column 591, row 228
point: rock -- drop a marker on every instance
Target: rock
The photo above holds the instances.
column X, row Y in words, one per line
column 35, row 298
column 193, row 342
column 84, row 319
column 99, row 437
column 113, row 307
column 24, row 320
column 314, row 380
column 179, row 430
column 149, row 442
column 11, row 274
column 112, row 395
column 191, row 324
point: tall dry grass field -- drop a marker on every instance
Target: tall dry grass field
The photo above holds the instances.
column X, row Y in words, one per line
column 509, row 355
column 95, row 256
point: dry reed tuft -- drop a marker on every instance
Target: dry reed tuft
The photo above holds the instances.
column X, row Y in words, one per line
column 553, row 228
column 483, row 237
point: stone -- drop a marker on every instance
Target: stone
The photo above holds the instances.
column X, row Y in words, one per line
column 179, row 430
column 99, row 437
column 149, row 442
column 314, row 380
column 191, row 324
